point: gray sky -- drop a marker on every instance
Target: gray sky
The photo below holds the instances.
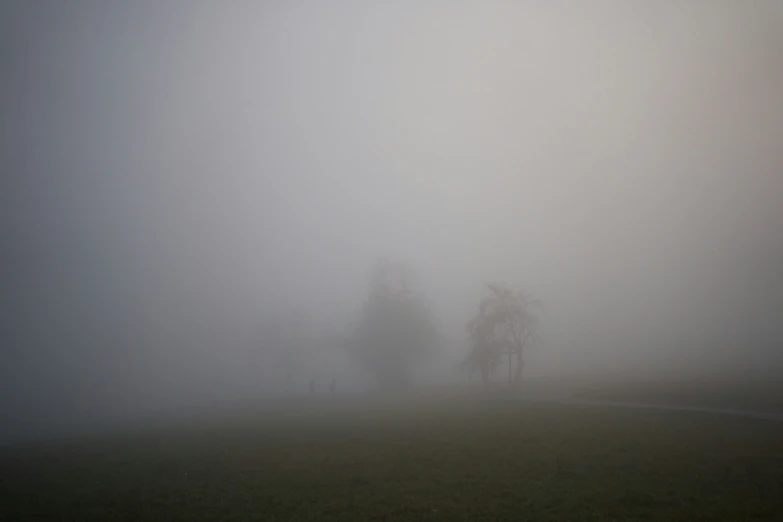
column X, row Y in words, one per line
column 177, row 171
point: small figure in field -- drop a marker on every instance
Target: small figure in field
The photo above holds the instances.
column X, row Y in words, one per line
column 333, row 385
column 312, row 386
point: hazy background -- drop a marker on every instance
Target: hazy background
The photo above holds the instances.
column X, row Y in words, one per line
column 177, row 173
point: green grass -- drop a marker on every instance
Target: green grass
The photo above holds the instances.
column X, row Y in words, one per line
column 745, row 394
column 486, row 460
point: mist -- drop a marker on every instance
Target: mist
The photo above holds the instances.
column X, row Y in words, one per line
column 179, row 176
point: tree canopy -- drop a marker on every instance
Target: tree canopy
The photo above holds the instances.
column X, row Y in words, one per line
column 395, row 328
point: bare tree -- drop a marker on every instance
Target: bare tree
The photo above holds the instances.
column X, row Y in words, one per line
column 504, row 325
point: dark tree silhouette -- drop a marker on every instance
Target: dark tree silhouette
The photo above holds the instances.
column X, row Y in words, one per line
column 504, row 325
column 395, row 328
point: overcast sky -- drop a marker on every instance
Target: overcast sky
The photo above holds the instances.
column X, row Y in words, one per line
column 175, row 172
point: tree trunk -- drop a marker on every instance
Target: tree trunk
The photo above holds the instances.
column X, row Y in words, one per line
column 520, row 366
column 520, row 363
column 484, row 375
column 509, row 366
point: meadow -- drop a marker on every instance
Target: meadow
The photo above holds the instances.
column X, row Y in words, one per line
column 469, row 458
column 746, row 394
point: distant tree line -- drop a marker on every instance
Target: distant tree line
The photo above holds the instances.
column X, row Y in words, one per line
column 396, row 331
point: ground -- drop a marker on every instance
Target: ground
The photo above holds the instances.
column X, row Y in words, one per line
column 760, row 395
column 483, row 458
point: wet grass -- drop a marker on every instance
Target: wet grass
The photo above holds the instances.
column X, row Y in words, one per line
column 485, row 460
column 746, row 394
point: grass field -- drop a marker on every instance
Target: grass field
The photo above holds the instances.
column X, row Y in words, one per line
column 487, row 459
column 745, row 394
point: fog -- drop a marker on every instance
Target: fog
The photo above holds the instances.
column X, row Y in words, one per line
column 178, row 176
